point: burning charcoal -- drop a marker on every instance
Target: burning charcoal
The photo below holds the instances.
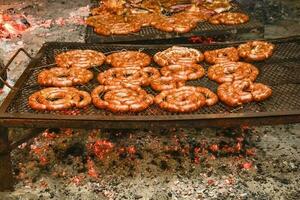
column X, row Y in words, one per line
column 54, row 130
column 25, row 22
column 139, row 155
column 164, row 131
column 10, row 11
column 214, row 148
column 194, row 148
column 164, row 165
column 201, row 39
column 230, row 132
column 284, row 181
column 246, row 165
column 12, row 25
column 29, row 7
column 223, row 143
column 76, row 149
column 123, row 155
column 131, row 150
column 136, row 196
column 100, row 148
column 115, row 134
column 209, row 173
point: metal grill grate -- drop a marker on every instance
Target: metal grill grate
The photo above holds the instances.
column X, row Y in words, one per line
column 203, row 29
column 281, row 72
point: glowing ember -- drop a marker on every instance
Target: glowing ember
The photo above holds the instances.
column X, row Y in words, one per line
column 131, row 150
column 91, row 169
column 247, row 165
column 48, row 135
column 210, row 182
column 12, row 25
column 101, row 148
column 250, row 152
column 40, row 152
column 238, row 146
column 43, row 184
column 197, row 160
column 76, row 180
column 201, row 39
column 214, row 148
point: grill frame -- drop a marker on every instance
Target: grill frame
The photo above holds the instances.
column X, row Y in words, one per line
column 34, row 120
column 150, row 34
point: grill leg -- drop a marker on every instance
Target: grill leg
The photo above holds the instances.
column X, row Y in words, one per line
column 6, row 176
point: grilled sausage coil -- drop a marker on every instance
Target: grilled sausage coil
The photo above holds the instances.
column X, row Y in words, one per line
column 64, row 77
column 55, row 98
column 128, row 59
column 121, row 98
column 232, row 71
column 255, row 50
column 185, row 99
column 229, row 54
column 80, row 58
column 178, row 55
column 166, row 83
column 131, row 75
column 243, row 91
column 183, row 72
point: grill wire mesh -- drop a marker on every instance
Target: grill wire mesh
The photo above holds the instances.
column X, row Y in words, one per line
column 203, row 28
column 281, row 72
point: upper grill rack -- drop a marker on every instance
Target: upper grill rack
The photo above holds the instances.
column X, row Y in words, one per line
column 280, row 72
column 203, row 29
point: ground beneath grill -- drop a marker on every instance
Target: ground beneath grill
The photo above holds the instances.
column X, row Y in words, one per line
column 158, row 164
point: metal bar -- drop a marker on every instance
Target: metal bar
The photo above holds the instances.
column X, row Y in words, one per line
column 6, row 83
column 139, row 118
column 9, row 62
column 144, row 124
column 6, row 176
column 29, row 133
column 43, row 66
column 13, row 57
column 23, row 76
column 295, row 38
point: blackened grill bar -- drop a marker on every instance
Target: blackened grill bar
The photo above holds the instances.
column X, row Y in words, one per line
column 280, row 72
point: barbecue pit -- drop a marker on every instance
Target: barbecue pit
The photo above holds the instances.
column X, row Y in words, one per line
column 280, row 72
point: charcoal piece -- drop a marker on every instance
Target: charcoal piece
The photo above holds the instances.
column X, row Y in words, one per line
column 77, row 149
